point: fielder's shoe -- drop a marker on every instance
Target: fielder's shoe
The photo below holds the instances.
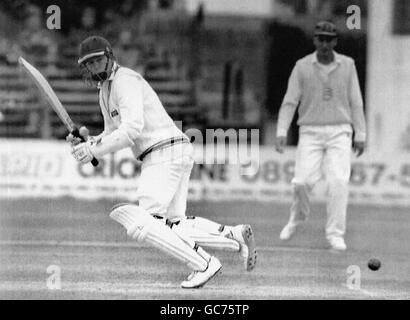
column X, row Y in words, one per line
column 288, row 231
column 244, row 235
column 198, row 278
column 337, row 244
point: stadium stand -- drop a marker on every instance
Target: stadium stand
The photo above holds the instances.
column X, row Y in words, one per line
column 20, row 105
column 184, row 63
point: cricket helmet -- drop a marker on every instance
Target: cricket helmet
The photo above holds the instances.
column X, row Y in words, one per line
column 94, row 46
column 91, row 47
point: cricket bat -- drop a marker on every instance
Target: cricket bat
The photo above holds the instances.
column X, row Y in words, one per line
column 49, row 94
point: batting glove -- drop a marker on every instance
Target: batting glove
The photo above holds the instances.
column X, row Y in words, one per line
column 84, row 132
column 82, row 152
column 73, row 140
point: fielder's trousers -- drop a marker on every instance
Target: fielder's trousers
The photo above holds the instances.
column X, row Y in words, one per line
column 323, row 151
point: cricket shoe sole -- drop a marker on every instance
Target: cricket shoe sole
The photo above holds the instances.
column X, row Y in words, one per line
column 248, row 248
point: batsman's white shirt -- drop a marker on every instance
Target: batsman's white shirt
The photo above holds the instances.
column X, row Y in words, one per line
column 129, row 103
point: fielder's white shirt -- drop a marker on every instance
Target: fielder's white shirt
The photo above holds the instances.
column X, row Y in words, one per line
column 128, row 103
column 323, row 95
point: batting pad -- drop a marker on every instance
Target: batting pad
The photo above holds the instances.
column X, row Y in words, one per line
column 191, row 243
column 142, row 227
column 205, row 233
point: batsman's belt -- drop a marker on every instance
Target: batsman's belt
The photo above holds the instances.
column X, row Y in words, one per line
column 162, row 144
column 167, row 221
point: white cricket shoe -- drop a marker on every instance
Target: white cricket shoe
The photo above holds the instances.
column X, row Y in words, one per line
column 337, row 243
column 288, row 231
column 244, row 235
column 198, row 278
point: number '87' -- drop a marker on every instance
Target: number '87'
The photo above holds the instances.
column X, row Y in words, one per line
column 373, row 173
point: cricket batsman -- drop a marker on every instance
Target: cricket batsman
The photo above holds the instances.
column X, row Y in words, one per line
column 324, row 87
column 135, row 118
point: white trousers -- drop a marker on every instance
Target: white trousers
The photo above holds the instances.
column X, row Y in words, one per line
column 163, row 184
column 323, row 151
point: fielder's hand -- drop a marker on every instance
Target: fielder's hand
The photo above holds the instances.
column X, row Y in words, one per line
column 280, row 144
column 358, row 147
column 82, row 152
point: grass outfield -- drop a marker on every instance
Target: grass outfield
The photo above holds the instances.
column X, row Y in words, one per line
column 98, row 261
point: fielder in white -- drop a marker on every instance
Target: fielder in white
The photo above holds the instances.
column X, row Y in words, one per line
column 324, row 87
column 135, row 118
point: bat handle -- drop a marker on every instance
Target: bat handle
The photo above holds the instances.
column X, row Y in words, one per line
column 94, row 162
column 83, row 134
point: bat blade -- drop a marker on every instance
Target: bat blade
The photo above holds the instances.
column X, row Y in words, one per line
column 48, row 92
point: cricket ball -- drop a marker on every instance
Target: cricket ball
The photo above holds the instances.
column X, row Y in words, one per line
column 374, row 264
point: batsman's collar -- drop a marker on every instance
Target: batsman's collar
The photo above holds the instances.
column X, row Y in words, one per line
column 90, row 55
column 337, row 58
column 115, row 68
